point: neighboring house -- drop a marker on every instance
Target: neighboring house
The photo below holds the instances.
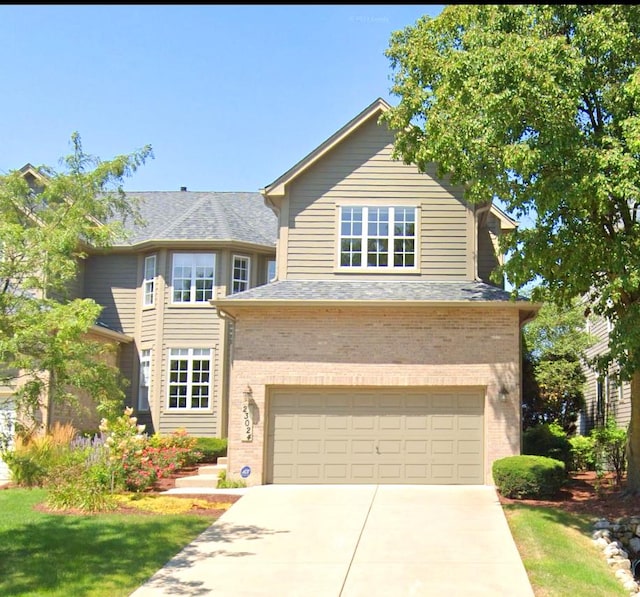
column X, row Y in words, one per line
column 155, row 290
column 382, row 353
column 605, row 397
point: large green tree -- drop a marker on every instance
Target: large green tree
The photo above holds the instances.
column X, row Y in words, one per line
column 47, row 224
column 553, row 377
column 539, row 105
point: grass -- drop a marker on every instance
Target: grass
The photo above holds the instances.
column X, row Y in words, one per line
column 558, row 554
column 103, row 555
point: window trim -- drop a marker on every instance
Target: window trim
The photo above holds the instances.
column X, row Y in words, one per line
column 190, row 357
column 149, row 283
column 148, row 359
column 192, row 287
column 246, row 259
column 370, row 269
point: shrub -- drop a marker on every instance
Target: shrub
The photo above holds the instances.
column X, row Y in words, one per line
column 548, row 440
column 211, row 448
column 82, row 487
column 34, row 456
column 225, row 483
column 536, row 477
column 180, row 444
column 610, row 443
column 583, row 456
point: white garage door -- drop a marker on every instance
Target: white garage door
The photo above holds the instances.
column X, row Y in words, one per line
column 6, row 432
column 376, row 436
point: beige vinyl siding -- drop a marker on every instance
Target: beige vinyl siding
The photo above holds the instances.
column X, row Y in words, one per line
column 148, row 325
column 488, row 253
column 618, row 400
column 111, row 280
column 360, row 168
column 190, row 326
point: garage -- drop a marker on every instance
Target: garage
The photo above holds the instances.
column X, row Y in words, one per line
column 383, row 436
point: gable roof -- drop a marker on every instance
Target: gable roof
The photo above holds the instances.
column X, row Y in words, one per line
column 202, row 216
column 277, row 187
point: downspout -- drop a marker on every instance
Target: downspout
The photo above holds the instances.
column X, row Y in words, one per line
column 229, row 322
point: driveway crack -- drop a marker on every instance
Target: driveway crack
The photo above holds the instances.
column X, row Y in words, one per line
column 364, row 524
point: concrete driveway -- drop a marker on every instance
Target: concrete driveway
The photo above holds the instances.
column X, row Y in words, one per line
column 364, row 540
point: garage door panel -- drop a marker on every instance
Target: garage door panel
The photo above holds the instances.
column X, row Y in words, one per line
column 333, row 446
column 364, row 422
column 375, row 436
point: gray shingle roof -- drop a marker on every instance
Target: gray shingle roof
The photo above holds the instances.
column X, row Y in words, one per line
column 198, row 216
column 372, row 290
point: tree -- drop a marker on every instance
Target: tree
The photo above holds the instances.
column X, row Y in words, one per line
column 539, row 105
column 45, row 231
column 553, row 379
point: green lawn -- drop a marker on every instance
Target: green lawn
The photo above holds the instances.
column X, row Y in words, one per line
column 106, row 555
column 558, row 554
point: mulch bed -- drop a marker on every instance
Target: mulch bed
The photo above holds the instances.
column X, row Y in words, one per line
column 585, row 494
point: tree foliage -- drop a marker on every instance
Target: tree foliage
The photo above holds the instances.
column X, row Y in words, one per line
column 554, row 353
column 539, row 105
column 45, row 232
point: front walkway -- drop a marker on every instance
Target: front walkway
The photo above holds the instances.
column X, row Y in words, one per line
column 352, row 540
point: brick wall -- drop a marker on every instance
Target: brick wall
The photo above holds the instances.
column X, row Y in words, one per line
column 375, row 347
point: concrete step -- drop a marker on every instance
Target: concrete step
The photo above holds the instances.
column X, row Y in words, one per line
column 222, row 460
column 211, row 469
column 210, row 481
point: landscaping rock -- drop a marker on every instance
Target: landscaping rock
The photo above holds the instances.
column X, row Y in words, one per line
column 616, row 542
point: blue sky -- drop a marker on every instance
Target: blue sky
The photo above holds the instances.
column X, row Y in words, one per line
column 230, row 97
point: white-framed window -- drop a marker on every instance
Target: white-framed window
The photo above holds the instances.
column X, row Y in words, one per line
column 145, row 379
column 271, row 270
column 193, row 277
column 149, row 282
column 378, row 237
column 189, row 378
column 240, row 274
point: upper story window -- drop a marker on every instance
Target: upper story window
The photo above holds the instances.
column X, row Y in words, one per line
column 189, row 378
column 378, row 237
column 271, row 270
column 149, row 283
column 240, row 279
column 192, row 278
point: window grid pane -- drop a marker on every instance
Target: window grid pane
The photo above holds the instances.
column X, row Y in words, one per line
column 149, row 280
column 351, row 237
column 189, row 378
column 240, row 279
column 145, row 380
column 387, row 240
column 193, row 277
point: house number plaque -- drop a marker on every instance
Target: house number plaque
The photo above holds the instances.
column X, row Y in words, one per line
column 247, row 423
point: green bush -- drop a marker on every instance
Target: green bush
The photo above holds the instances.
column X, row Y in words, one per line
column 535, row 477
column 226, row 483
column 211, row 448
column 548, row 440
column 583, row 457
column 27, row 469
column 81, row 486
column 610, row 443
column 32, row 458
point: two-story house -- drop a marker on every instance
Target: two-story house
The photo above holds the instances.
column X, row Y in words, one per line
column 381, row 353
column 155, row 288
